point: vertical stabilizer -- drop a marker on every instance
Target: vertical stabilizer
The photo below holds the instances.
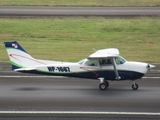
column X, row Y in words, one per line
column 18, row 56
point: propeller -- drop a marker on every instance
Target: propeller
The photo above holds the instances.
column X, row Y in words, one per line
column 149, row 66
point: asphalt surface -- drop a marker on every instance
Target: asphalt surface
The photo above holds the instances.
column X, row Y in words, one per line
column 70, row 94
column 78, row 11
column 21, row 92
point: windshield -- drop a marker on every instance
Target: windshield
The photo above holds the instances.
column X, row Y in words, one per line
column 120, row 60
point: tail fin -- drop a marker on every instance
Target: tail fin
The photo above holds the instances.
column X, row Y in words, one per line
column 19, row 57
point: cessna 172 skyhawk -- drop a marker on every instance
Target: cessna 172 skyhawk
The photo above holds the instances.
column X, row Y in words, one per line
column 103, row 65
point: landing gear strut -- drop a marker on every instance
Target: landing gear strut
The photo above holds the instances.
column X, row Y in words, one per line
column 134, row 86
column 103, row 84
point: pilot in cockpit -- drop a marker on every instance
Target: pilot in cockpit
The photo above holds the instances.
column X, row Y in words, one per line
column 104, row 62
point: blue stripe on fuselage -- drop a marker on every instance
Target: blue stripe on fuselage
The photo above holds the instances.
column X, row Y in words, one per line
column 108, row 75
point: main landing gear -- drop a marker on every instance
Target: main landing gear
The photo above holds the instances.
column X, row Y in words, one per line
column 103, row 84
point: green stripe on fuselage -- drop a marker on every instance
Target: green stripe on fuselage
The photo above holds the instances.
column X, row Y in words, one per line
column 15, row 64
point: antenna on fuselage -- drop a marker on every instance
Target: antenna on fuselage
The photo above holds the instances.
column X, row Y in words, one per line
column 94, row 49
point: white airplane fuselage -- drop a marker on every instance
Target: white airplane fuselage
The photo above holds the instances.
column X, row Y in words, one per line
column 126, row 71
column 103, row 65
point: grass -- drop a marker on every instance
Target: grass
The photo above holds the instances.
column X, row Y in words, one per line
column 82, row 2
column 72, row 39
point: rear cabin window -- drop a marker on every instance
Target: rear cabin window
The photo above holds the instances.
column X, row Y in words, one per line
column 81, row 62
column 91, row 62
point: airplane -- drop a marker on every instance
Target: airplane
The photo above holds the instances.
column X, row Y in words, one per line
column 102, row 65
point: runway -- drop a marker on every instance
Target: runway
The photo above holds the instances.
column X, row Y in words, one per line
column 77, row 94
column 72, row 94
column 34, row 11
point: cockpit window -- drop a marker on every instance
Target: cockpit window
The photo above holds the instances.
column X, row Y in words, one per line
column 105, row 62
column 91, row 62
column 82, row 61
column 120, row 60
column 102, row 62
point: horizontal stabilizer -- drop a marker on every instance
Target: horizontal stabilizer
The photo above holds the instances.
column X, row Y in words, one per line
column 24, row 69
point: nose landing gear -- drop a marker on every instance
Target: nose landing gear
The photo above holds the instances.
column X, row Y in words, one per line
column 134, row 86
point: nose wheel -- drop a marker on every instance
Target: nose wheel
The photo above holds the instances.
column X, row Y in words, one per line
column 134, row 86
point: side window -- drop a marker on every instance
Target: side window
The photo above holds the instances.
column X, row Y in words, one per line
column 105, row 62
column 81, row 62
column 91, row 62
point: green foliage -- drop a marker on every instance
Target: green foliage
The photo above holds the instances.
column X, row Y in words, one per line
column 82, row 2
column 72, row 39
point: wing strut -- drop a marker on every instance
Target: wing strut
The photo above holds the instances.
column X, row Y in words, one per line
column 115, row 69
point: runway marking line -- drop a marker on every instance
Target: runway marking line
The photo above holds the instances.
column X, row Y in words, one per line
column 79, row 112
column 57, row 77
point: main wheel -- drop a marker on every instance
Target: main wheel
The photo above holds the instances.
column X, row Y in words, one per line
column 103, row 86
column 135, row 86
column 107, row 83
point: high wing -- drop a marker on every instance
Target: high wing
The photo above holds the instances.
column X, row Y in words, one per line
column 105, row 53
column 111, row 53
